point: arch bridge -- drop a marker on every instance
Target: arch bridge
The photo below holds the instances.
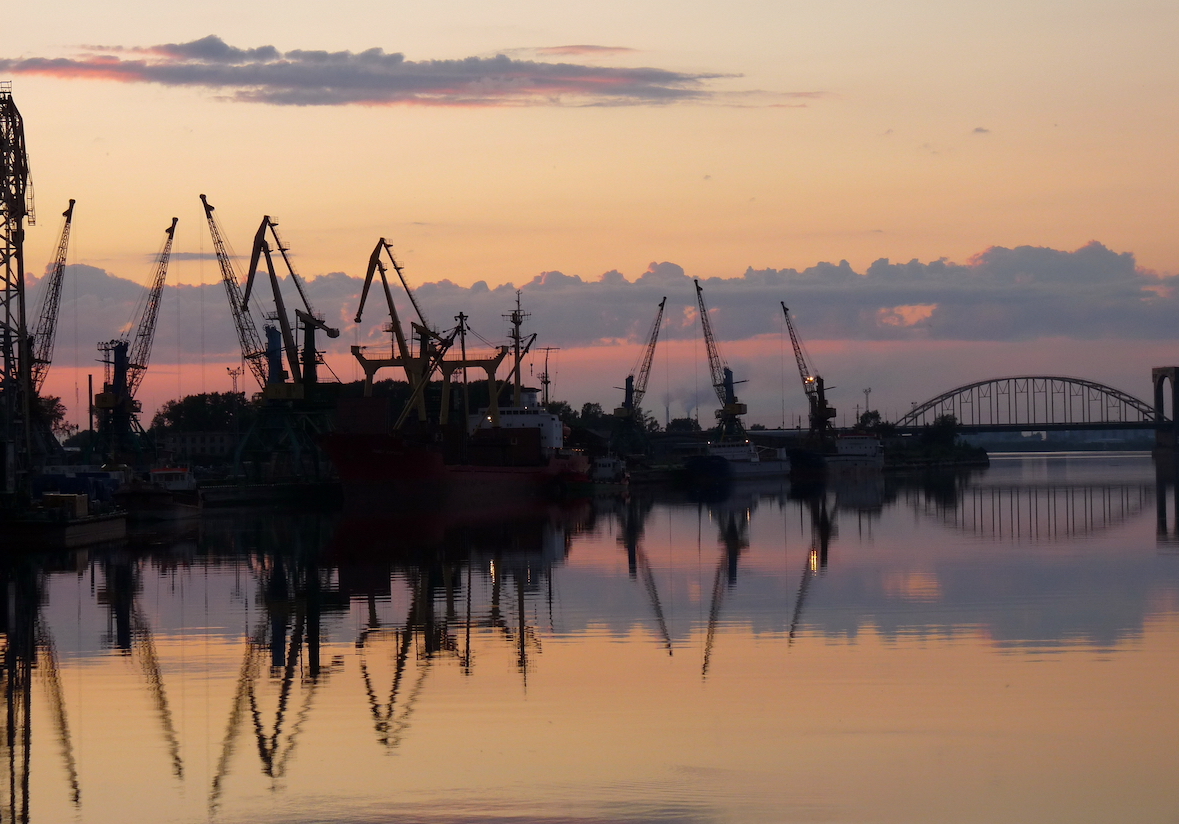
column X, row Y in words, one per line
column 1037, row 402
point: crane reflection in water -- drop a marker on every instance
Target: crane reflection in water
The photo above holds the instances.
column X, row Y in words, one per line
column 29, row 651
column 443, row 590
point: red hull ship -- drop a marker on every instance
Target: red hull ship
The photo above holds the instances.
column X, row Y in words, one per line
column 522, row 456
column 502, row 452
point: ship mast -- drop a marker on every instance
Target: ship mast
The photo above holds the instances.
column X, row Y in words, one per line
column 519, row 347
column 545, row 380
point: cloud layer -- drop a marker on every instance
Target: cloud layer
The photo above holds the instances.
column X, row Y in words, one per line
column 999, row 295
column 374, row 77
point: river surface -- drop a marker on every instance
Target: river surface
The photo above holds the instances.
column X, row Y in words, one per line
column 996, row 646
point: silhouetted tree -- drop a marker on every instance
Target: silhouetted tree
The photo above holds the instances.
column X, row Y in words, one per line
column 206, row 412
column 50, row 409
column 943, row 432
column 683, row 426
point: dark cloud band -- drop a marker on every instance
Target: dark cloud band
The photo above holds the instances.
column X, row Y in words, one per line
column 374, row 77
column 999, row 295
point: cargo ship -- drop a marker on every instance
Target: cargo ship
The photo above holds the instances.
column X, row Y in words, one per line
column 501, row 452
column 522, row 454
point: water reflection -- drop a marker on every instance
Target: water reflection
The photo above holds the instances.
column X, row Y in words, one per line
column 29, row 650
column 1034, row 512
column 344, row 638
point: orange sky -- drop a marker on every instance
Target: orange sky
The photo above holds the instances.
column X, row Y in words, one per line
column 847, row 131
column 927, row 131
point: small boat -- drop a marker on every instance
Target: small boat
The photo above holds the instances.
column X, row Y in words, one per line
column 747, row 460
column 856, row 453
column 608, row 471
column 723, row 462
column 170, row 493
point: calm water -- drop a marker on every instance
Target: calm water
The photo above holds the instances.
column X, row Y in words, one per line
column 999, row 646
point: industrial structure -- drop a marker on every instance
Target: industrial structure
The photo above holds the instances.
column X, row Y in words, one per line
column 729, row 425
column 282, row 442
column 16, row 375
column 45, row 446
column 432, row 347
column 302, row 365
column 44, row 333
column 630, row 433
column 821, row 414
column 253, row 352
column 121, row 436
column 1041, row 403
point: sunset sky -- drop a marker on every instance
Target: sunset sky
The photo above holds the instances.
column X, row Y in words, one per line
column 496, row 143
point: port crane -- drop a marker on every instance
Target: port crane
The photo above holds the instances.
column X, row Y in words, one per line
column 432, row 348
column 821, row 413
column 415, row 367
column 45, row 331
column 16, row 208
column 640, row 373
column 125, row 361
column 729, row 415
column 303, row 369
column 253, row 352
column 293, row 416
column 630, row 435
column 45, row 446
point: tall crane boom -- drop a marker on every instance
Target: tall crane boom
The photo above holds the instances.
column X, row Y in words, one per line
column 729, row 415
column 253, row 352
column 640, row 385
column 636, row 387
column 820, row 414
column 140, row 352
column 45, row 332
column 262, row 250
column 716, row 365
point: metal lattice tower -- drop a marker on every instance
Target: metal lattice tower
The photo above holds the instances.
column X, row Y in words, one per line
column 729, row 415
column 146, row 331
column 15, row 356
column 45, row 332
column 253, row 352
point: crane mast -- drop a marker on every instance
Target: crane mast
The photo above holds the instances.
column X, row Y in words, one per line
column 729, row 415
column 125, row 360
column 140, row 351
column 636, row 387
column 16, row 207
column 253, row 352
column 45, row 332
column 820, row 413
column 304, row 372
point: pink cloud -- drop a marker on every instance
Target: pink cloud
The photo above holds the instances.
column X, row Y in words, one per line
column 374, row 77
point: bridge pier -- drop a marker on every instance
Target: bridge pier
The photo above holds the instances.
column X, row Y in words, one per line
column 1166, row 435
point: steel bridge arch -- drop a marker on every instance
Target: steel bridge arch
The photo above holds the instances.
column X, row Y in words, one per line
column 1030, row 400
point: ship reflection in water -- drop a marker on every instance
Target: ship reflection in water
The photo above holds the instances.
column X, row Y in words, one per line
column 1002, row 644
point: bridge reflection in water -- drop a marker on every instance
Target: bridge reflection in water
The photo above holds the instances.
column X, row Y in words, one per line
column 1035, row 512
column 403, row 599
